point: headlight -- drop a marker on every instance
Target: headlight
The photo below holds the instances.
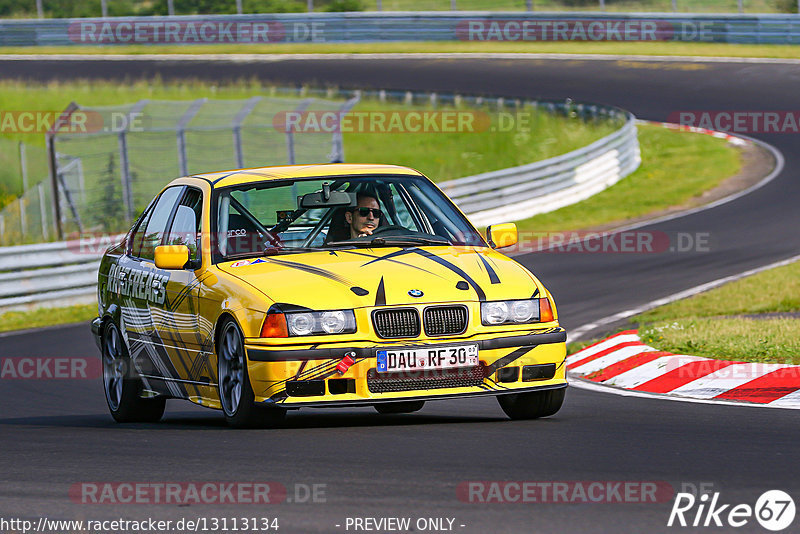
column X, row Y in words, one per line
column 516, row 312
column 317, row 323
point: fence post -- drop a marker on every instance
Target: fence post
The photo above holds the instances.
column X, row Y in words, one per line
column 239, row 7
column 43, row 211
column 290, row 134
column 310, row 6
column 23, row 224
column 337, row 141
column 380, row 5
column 453, row 5
column 236, row 125
column 23, row 165
column 2, row 227
column 125, row 176
column 602, row 5
column 39, row 9
column 53, row 167
column 529, row 5
column 104, row 8
column 181, row 133
column 674, row 5
column 170, row 7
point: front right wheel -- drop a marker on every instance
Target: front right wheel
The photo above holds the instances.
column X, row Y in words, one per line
column 533, row 404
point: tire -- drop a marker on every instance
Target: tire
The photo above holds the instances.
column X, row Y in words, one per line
column 122, row 387
column 235, row 391
column 532, row 405
column 387, row 408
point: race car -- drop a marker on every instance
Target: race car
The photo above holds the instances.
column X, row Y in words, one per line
column 257, row 291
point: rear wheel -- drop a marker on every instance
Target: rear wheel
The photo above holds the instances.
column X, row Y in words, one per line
column 399, row 407
column 532, row 405
column 235, row 392
column 122, row 387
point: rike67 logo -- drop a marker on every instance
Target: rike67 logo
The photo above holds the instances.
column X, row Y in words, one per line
column 774, row 510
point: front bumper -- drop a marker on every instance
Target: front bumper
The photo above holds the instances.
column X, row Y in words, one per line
column 294, row 377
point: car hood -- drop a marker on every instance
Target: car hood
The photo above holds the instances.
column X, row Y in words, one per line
column 386, row 276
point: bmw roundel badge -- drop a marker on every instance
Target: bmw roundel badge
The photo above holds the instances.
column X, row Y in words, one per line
column 416, row 293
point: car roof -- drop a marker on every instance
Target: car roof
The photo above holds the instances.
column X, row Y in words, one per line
column 262, row 174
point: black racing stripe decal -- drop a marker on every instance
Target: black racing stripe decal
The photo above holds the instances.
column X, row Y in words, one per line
column 507, row 359
column 380, row 294
column 454, row 268
column 313, row 270
column 300, row 370
column 389, row 259
column 492, row 275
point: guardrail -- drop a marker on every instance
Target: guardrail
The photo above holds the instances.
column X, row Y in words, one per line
column 402, row 26
column 47, row 274
column 65, row 273
column 521, row 192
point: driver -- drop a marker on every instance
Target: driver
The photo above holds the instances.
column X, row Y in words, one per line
column 365, row 218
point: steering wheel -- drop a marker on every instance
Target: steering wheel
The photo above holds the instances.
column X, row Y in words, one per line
column 389, row 228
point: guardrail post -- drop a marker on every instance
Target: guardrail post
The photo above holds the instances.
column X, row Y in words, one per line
column 103, row 8
column 43, row 210
column 170, row 8
column 602, row 5
column 39, row 9
column 310, row 6
column 674, row 5
column 239, row 7
column 380, row 6
column 453, row 5
column 529, row 5
column 2, row 227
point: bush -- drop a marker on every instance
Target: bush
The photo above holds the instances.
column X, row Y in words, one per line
column 344, row 5
column 786, row 6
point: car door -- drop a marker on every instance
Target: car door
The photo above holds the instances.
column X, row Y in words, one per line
column 144, row 296
column 187, row 342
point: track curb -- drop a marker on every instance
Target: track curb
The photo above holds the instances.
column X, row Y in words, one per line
column 624, row 362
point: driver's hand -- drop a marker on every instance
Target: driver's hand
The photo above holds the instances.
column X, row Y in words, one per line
column 365, row 233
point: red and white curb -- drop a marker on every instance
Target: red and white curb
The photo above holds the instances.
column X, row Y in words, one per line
column 623, row 361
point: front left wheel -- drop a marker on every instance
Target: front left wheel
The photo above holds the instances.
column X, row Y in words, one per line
column 122, row 387
column 235, row 392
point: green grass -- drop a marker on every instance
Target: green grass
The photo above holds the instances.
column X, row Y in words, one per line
column 638, row 48
column 21, row 320
column 676, row 166
column 705, row 325
column 776, row 290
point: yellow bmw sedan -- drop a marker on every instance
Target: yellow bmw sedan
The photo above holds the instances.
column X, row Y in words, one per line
column 257, row 291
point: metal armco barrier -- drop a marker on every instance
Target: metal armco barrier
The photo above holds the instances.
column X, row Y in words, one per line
column 66, row 272
column 403, row 26
column 47, row 274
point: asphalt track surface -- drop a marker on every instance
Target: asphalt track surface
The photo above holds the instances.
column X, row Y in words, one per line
column 57, row 433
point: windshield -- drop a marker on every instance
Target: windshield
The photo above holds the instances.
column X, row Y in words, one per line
column 337, row 212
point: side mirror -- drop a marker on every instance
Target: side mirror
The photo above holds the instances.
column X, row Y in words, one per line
column 502, row 235
column 172, row 257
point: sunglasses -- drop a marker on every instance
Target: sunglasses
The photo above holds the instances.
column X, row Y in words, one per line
column 366, row 211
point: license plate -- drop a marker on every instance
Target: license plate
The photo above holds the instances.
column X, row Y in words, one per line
column 419, row 359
